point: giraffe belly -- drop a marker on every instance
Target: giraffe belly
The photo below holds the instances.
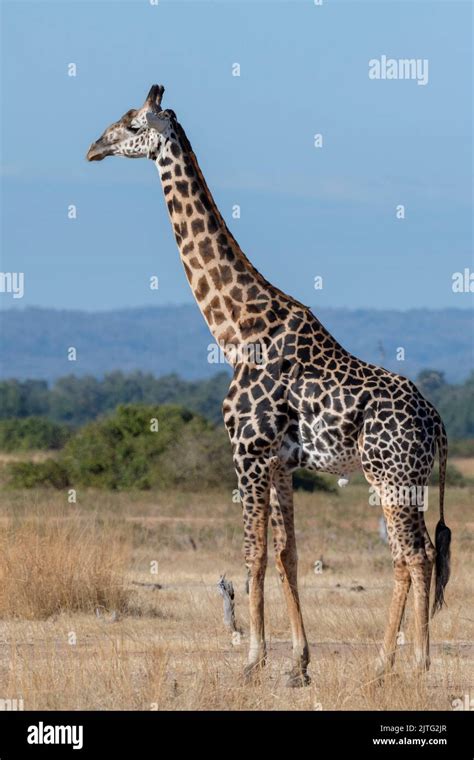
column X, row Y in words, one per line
column 332, row 460
column 305, row 446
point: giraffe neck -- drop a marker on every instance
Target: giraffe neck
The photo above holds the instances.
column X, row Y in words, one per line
column 230, row 292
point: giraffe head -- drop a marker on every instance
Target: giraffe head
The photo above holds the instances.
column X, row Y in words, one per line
column 137, row 134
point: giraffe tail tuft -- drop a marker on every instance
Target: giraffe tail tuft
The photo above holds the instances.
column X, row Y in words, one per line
column 443, row 533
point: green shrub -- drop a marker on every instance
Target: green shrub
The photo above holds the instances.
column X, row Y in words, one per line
column 33, row 474
column 28, row 433
column 199, row 459
column 123, row 451
column 305, row 480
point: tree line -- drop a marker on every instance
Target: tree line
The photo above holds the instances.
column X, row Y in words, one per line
column 73, row 401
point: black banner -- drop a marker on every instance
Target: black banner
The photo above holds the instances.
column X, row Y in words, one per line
column 378, row 734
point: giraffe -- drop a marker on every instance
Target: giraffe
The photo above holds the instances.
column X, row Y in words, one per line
column 299, row 401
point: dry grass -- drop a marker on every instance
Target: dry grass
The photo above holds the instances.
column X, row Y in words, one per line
column 55, row 565
column 167, row 648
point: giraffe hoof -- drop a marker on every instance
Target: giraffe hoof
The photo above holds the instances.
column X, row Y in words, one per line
column 253, row 673
column 378, row 681
column 383, row 669
column 383, row 677
column 297, row 679
column 421, row 669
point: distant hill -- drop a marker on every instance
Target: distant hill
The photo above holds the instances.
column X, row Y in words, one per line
column 163, row 340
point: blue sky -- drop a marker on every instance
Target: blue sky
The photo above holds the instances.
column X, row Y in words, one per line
column 304, row 211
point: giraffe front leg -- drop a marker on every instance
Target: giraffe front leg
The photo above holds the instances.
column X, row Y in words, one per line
column 254, row 486
column 282, row 520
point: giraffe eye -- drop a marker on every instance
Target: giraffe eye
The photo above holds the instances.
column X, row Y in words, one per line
column 134, row 130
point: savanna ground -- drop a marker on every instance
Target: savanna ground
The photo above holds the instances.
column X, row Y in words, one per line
column 83, row 624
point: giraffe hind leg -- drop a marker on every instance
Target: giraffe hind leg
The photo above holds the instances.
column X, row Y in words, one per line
column 401, row 588
column 421, row 570
column 413, row 555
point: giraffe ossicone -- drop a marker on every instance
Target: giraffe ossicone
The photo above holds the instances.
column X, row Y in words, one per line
column 310, row 404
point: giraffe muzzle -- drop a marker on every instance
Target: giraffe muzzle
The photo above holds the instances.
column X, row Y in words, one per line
column 99, row 150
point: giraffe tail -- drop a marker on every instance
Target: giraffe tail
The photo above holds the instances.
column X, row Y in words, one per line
column 443, row 533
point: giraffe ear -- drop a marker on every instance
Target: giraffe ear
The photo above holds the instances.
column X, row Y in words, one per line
column 156, row 121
